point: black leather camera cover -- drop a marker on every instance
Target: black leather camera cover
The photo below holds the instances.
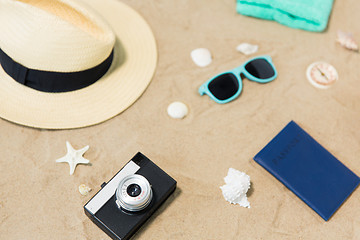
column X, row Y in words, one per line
column 120, row 224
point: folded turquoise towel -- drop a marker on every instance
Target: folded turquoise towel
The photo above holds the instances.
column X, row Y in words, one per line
column 311, row 15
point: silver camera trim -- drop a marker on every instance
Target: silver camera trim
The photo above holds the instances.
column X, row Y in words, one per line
column 129, row 203
column 108, row 191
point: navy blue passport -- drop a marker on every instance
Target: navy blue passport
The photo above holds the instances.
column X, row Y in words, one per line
column 307, row 169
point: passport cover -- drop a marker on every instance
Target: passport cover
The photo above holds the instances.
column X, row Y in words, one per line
column 308, row 170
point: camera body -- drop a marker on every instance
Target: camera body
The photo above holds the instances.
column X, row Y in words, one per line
column 130, row 197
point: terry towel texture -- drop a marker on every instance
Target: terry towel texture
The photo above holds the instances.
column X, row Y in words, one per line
column 310, row 15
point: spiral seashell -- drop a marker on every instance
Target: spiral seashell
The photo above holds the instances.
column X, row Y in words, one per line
column 236, row 187
column 347, row 40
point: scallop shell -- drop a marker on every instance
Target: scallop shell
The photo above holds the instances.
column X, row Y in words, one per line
column 84, row 190
column 347, row 40
column 247, row 48
column 201, row 57
column 236, row 187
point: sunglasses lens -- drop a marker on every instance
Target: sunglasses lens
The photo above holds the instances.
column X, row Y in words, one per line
column 260, row 68
column 224, row 86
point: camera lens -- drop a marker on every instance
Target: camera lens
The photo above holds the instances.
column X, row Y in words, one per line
column 133, row 190
column 133, row 193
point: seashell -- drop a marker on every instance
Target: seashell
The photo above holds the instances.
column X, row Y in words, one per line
column 247, row 48
column 201, row 57
column 236, row 187
column 232, row 193
column 84, row 190
column 347, row 40
column 235, row 176
column 177, row 110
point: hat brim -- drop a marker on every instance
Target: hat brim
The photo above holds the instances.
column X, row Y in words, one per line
column 135, row 59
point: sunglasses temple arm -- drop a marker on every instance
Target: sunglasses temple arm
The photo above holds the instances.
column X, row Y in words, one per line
column 202, row 90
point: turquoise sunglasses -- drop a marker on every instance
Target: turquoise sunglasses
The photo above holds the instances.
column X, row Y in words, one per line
column 227, row 85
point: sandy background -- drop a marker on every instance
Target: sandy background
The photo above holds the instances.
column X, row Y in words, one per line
column 39, row 200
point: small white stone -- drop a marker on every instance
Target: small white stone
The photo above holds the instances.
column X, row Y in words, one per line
column 201, row 57
column 177, row 110
column 84, row 190
column 247, row 48
column 236, row 187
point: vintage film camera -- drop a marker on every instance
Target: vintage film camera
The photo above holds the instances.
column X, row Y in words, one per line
column 130, row 197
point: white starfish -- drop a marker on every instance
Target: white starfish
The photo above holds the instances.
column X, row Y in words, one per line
column 74, row 157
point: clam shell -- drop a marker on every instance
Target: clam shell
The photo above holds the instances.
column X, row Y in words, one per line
column 247, row 48
column 201, row 57
column 177, row 110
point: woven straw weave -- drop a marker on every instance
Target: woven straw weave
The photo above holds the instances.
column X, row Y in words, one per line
column 65, row 35
column 54, row 35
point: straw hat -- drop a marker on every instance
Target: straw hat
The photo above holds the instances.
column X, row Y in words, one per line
column 91, row 65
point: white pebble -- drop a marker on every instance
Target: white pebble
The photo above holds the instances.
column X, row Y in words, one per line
column 201, row 57
column 247, row 48
column 177, row 110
